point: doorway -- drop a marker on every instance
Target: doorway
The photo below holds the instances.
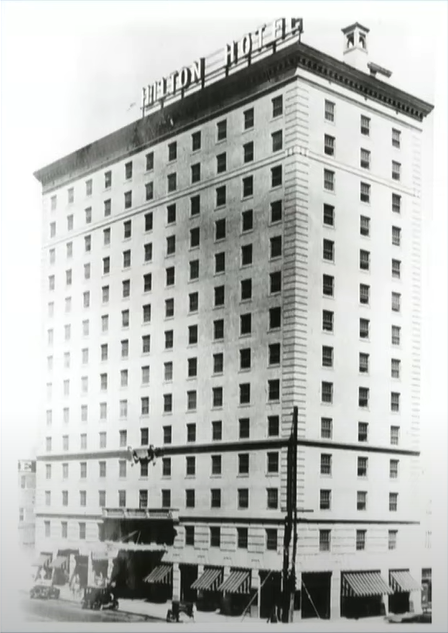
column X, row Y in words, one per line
column 316, row 590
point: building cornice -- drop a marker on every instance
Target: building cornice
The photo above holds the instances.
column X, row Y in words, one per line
column 245, row 84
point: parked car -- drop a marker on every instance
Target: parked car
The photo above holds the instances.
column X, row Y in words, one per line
column 44, row 592
column 178, row 607
column 99, row 598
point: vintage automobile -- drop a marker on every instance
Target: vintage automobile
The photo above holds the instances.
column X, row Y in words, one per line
column 99, row 598
column 178, row 607
column 44, row 591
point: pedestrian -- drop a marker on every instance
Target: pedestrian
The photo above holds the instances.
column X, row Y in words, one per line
column 273, row 617
column 193, row 611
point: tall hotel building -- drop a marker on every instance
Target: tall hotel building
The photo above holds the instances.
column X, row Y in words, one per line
column 250, row 247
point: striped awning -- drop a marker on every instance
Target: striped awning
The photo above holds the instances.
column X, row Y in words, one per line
column 237, row 582
column 364, row 583
column 42, row 560
column 58, row 562
column 402, row 582
column 209, row 581
column 160, row 575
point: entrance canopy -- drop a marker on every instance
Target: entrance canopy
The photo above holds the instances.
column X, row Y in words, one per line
column 237, row 582
column 402, row 582
column 210, row 580
column 58, row 562
column 364, row 583
column 160, row 575
column 42, row 560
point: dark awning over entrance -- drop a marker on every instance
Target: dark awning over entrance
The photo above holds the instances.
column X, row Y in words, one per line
column 160, row 575
column 237, row 582
column 209, row 580
column 364, row 583
column 58, row 562
column 402, row 581
column 42, row 560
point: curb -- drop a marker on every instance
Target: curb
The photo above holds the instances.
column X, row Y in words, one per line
column 142, row 615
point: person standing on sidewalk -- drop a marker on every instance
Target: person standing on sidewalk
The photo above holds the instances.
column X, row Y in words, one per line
column 193, row 611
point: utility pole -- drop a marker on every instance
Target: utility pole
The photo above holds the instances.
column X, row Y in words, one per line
column 289, row 575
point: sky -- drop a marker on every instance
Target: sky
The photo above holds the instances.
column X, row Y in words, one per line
column 69, row 74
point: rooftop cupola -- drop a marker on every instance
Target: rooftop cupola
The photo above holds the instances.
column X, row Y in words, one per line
column 355, row 46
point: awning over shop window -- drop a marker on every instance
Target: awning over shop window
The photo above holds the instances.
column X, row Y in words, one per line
column 42, row 560
column 402, row 581
column 160, row 575
column 58, row 562
column 364, row 583
column 209, row 581
column 237, row 582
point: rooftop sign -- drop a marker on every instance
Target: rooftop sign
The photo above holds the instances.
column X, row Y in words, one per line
column 265, row 40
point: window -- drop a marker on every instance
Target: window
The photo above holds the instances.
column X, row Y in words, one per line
column 218, row 363
column 271, row 539
column 88, row 213
column 103, row 411
column 364, row 228
column 364, row 260
column 275, row 318
column 396, row 236
column 362, row 467
column 244, row 428
column 248, row 152
column 217, row 396
column 148, row 222
column 167, row 435
column 327, row 320
column 276, row 211
column 277, row 141
column 365, row 192
column 218, row 329
column 360, row 540
column 329, row 145
column 221, row 129
column 275, row 285
column 324, row 540
column 396, row 138
column 396, row 170
column 86, row 299
column 327, row 356
column 329, row 110
column 220, row 229
column 396, row 301
column 171, row 214
column 246, row 255
column 364, row 294
column 395, row 368
column 196, row 172
column 396, row 203
column 192, row 398
column 169, row 339
column 365, row 125
column 221, row 196
column 170, row 244
column 52, row 229
column 276, row 176
column 219, row 296
column 192, row 334
column 87, row 245
column 128, row 200
column 248, row 186
column 68, row 277
column 325, row 500
column 144, row 437
column 327, row 392
column 395, row 401
column 196, row 141
column 277, row 106
column 273, row 390
column 216, row 465
column 364, row 328
column 272, row 498
column 146, row 344
column 149, row 190
column 217, row 430
column 166, row 498
column 396, row 269
column 246, row 323
column 396, row 335
column 248, row 118
column 363, row 397
column 363, row 363
column 215, row 537
column 394, row 435
column 392, row 539
column 328, row 285
column 172, row 150
column 86, row 271
column 362, row 431
column 393, row 501
column 361, row 500
column 191, row 432
column 329, row 180
column 275, row 246
column 245, row 358
column 103, row 439
column 190, row 463
column 189, row 498
column 123, row 408
column 328, row 250
column 393, row 469
column 170, row 276
column 150, row 161
column 215, row 498
column 365, row 158
column 69, row 249
column 195, row 205
column 51, row 282
column 69, row 223
column 166, row 467
column 274, row 356
column 242, row 538
column 221, row 163
column 172, row 182
column 325, row 464
column 326, row 428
